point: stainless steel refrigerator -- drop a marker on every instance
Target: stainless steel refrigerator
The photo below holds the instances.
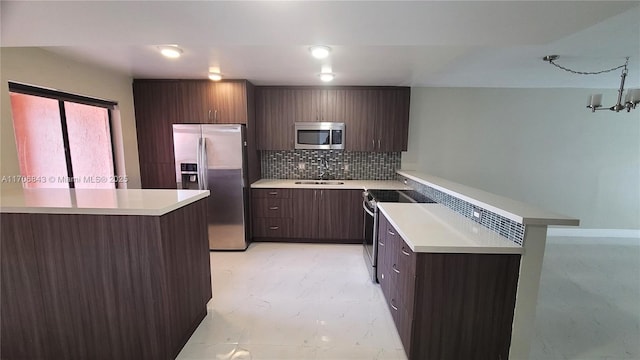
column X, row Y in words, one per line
column 213, row 157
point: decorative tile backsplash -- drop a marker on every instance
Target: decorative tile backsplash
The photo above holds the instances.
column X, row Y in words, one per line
column 308, row 164
column 498, row 223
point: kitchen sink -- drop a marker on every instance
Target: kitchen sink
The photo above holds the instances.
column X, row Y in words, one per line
column 319, row 182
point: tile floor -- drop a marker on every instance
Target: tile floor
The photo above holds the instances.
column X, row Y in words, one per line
column 314, row 301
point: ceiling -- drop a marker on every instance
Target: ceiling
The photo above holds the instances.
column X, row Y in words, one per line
column 414, row 43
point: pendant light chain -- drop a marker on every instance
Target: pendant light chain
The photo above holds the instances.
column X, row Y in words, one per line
column 551, row 59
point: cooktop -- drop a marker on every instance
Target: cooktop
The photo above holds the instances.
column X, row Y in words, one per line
column 402, row 196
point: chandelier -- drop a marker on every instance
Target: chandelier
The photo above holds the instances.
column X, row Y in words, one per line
column 631, row 99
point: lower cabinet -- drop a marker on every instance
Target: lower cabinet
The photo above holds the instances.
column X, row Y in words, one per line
column 448, row 305
column 310, row 215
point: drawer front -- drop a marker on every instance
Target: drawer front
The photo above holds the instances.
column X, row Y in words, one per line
column 405, row 258
column 271, row 193
column 272, row 227
column 272, row 208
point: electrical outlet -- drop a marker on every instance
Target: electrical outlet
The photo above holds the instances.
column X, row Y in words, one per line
column 301, row 166
column 346, row 167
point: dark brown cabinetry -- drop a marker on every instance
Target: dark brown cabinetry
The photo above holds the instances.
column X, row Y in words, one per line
column 446, row 305
column 376, row 118
column 78, row 286
column 161, row 103
column 275, row 118
column 272, row 212
column 308, row 215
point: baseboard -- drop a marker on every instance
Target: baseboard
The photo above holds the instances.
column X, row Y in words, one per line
column 601, row 233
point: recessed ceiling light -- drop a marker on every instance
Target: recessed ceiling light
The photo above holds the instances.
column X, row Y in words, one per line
column 170, row 51
column 320, row 51
column 326, row 76
column 215, row 76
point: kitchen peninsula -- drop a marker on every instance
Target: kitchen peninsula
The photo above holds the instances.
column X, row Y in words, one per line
column 102, row 274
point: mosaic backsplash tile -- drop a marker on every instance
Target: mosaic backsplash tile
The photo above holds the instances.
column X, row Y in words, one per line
column 337, row 164
column 495, row 222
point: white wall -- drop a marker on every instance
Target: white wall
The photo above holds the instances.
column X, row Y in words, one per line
column 540, row 146
column 42, row 68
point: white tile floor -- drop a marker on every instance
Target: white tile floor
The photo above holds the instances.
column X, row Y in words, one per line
column 313, row 301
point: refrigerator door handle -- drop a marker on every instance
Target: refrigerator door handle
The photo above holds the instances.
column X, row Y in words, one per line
column 199, row 164
column 205, row 164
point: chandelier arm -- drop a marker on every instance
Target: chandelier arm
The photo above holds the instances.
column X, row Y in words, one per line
column 587, row 72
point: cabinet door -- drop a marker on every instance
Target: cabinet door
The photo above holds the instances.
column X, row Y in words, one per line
column 275, row 112
column 392, row 119
column 156, row 109
column 193, row 101
column 360, row 107
column 334, row 105
column 228, row 102
column 341, row 215
column 305, row 213
column 308, row 104
column 383, row 258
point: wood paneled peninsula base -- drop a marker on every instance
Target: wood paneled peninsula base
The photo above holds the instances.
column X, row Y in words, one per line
column 102, row 274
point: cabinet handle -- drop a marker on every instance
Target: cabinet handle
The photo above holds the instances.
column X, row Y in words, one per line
column 395, row 269
column 314, row 195
column 404, row 252
column 209, row 115
column 378, row 144
column 274, row 227
column 273, row 208
column 380, row 243
column 373, row 142
column 393, row 306
column 215, row 118
column 391, row 232
column 273, row 193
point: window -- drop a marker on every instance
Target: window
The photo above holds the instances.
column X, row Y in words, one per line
column 63, row 140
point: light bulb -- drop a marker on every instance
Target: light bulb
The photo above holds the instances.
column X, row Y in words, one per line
column 215, row 76
column 320, row 52
column 170, row 51
column 326, row 76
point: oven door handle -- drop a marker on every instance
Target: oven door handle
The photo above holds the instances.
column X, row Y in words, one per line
column 366, row 209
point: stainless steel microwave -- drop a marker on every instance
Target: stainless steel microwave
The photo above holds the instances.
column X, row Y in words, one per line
column 319, row 135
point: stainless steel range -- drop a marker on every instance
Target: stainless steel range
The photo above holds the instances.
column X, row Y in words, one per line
column 370, row 206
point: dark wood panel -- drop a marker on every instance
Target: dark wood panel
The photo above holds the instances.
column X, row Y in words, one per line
column 193, row 101
column 272, row 193
column 185, row 250
column 272, row 227
column 23, row 308
column 158, row 175
column 110, row 287
column 253, row 156
column 305, row 213
column 272, row 208
column 229, row 102
column 341, row 215
column 156, row 109
column 275, row 118
column 465, row 305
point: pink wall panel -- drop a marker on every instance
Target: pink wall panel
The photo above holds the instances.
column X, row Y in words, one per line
column 38, row 132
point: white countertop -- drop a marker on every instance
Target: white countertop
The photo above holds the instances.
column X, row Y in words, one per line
column 348, row 184
column 153, row 202
column 515, row 210
column 436, row 228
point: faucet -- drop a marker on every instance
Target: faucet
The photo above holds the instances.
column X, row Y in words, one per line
column 324, row 169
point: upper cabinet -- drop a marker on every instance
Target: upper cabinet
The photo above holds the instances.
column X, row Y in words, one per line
column 207, row 102
column 376, row 118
